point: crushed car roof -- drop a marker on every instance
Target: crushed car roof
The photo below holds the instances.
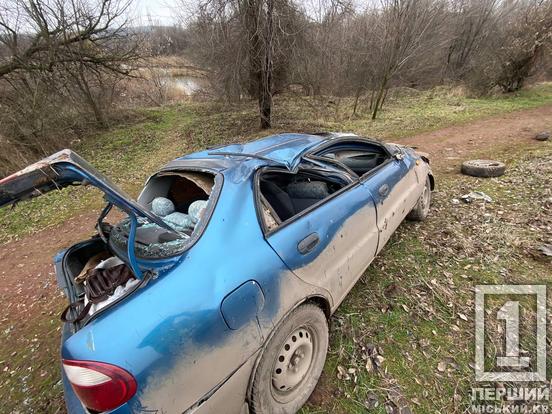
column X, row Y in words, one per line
column 281, row 149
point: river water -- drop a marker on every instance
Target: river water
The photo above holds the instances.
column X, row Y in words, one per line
column 186, row 84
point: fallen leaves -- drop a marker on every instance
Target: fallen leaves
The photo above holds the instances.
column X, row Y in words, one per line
column 447, row 365
column 462, row 316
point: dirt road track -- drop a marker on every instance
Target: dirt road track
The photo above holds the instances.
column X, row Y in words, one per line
column 450, row 146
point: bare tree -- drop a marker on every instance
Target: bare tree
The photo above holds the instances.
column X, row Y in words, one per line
column 341, row 48
column 470, row 23
column 59, row 57
column 39, row 34
column 246, row 46
column 321, row 48
column 520, row 42
column 267, row 68
column 404, row 28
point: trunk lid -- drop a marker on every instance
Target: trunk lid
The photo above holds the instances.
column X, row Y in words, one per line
column 63, row 169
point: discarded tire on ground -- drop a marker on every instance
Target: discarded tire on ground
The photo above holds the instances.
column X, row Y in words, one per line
column 483, row 168
column 542, row 136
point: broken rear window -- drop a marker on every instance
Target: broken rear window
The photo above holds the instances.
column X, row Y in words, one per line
column 182, row 199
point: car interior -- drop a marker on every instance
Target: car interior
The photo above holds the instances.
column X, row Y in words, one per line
column 180, row 199
column 289, row 194
column 182, row 188
column 360, row 157
column 284, row 194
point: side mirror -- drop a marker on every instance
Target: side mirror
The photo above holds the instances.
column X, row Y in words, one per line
column 399, row 155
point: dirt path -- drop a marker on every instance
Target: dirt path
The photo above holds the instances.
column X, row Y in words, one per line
column 450, row 146
column 27, row 263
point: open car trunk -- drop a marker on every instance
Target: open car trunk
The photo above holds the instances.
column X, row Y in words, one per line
column 75, row 262
column 168, row 217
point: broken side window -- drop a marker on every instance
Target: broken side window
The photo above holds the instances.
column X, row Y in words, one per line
column 360, row 157
column 285, row 195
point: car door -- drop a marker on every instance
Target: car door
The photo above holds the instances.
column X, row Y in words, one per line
column 383, row 171
column 393, row 186
column 330, row 244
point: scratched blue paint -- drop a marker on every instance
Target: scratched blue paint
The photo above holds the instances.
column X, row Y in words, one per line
column 180, row 309
column 58, row 257
column 326, row 221
column 283, row 148
column 201, row 312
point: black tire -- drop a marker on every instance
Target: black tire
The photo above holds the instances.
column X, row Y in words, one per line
column 483, row 168
column 287, row 373
column 542, row 136
column 421, row 209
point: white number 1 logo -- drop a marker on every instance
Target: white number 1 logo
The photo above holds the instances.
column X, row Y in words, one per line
column 513, row 367
column 510, row 314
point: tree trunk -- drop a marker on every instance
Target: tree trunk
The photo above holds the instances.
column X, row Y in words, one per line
column 379, row 97
column 357, row 96
column 252, row 17
column 265, row 93
column 372, row 99
column 89, row 97
column 384, row 98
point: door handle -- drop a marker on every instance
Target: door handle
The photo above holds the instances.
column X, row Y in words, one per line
column 383, row 190
column 308, row 243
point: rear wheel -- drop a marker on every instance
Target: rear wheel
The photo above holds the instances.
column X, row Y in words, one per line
column 421, row 209
column 291, row 363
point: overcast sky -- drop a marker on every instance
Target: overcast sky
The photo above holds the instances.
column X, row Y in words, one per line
column 163, row 12
column 160, row 11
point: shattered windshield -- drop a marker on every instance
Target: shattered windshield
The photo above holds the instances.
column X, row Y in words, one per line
column 182, row 200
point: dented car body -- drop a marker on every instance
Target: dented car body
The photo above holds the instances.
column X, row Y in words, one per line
column 286, row 220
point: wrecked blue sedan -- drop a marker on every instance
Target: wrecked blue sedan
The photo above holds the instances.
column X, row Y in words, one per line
column 212, row 291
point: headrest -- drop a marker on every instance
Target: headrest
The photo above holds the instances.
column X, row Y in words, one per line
column 308, row 189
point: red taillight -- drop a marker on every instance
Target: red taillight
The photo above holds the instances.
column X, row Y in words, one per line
column 99, row 386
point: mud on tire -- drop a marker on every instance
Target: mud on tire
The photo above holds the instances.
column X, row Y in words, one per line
column 421, row 209
column 483, row 168
column 291, row 362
